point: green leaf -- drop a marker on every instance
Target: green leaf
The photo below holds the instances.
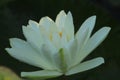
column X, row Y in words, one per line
column 7, row 74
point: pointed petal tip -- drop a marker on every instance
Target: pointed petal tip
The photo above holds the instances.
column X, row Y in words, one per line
column 30, row 21
column 101, row 60
column 22, row 74
column 69, row 12
column 23, row 26
column 108, row 28
column 11, row 39
column 62, row 11
column 44, row 19
column 14, row 39
column 93, row 17
column 7, row 49
column 48, row 18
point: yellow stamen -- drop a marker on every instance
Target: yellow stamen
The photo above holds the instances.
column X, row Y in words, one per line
column 51, row 37
column 60, row 33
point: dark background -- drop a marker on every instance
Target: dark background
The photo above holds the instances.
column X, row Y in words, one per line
column 15, row 13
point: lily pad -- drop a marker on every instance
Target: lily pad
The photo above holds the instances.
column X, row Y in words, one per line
column 7, row 74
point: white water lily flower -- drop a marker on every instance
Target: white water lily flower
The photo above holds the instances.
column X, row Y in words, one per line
column 53, row 46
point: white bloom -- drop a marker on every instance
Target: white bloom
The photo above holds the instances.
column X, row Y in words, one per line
column 53, row 46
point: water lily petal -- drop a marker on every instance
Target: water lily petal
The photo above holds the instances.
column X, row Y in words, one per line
column 69, row 26
column 83, row 36
column 52, row 46
column 43, row 74
column 86, row 27
column 37, row 41
column 34, row 25
column 63, row 40
column 48, row 25
column 23, row 51
column 70, row 51
column 49, row 55
column 56, row 40
column 60, row 20
column 93, row 42
column 67, row 57
column 85, row 66
column 33, row 37
column 78, row 47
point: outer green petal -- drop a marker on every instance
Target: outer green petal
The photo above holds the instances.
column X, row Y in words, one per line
column 85, row 66
column 43, row 74
column 23, row 51
column 93, row 42
column 60, row 60
column 67, row 57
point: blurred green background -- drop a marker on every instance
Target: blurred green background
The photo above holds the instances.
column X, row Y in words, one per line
column 15, row 13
